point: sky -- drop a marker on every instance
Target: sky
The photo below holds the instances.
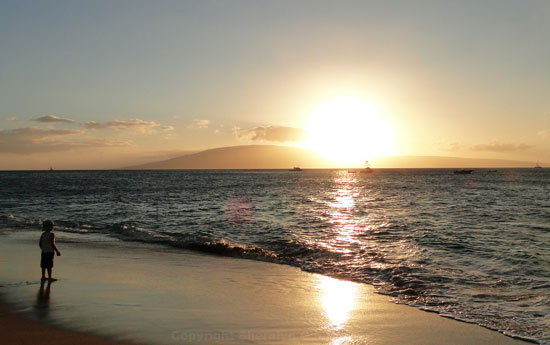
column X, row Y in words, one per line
column 104, row 84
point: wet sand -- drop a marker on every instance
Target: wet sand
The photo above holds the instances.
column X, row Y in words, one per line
column 153, row 295
column 17, row 330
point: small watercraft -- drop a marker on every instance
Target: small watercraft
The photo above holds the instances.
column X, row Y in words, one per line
column 295, row 169
column 463, row 171
column 367, row 169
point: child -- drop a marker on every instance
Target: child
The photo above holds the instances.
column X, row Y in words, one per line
column 47, row 244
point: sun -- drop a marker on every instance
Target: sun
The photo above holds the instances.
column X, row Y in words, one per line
column 348, row 131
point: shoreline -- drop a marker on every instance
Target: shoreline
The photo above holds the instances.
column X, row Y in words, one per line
column 145, row 294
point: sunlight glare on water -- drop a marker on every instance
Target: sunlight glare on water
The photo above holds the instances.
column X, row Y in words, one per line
column 346, row 226
column 342, row 340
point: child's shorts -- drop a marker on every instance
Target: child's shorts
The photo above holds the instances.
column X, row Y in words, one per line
column 47, row 260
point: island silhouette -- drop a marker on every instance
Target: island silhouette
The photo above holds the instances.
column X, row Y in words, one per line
column 286, row 157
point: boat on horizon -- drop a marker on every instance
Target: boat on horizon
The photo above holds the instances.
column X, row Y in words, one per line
column 537, row 166
column 368, row 169
column 295, row 169
column 463, row 171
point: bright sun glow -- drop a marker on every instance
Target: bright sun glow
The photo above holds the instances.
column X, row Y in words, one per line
column 348, row 131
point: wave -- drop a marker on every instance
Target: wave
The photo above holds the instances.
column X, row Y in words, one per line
column 309, row 257
column 131, row 233
column 397, row 281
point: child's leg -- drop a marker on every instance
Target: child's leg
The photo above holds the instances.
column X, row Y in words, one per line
column 43, row 272
column 49, row 272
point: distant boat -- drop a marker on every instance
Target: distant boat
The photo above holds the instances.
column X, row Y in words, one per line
column 352, row 171
column 367, row 169
column 463, row 171
column 295, row 169
column 537, row 166
column 51, row 169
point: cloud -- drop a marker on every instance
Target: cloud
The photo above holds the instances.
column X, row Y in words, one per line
column 545, row 133
column 35, row 133
column 449, row 146
column 126, row 124
column 199, row 123
column 52, row 119
column 34, row 139
column 202, row 123
column 101, row 142
column 13, row 119
column 496, row 146
column 270, row 133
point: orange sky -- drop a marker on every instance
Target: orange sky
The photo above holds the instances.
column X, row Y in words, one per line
column 103, row 85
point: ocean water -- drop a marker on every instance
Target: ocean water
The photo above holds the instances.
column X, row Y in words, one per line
column 472, row 247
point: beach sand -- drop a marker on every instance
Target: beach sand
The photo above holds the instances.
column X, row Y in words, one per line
column 16, row 330
column 136, row 293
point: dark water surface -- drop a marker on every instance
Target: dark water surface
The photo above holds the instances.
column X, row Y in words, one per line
column 474, row 247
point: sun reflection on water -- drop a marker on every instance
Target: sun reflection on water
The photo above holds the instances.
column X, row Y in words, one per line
column 342, row 211
column 344, row 199
column 342, row 340
column 337, row 298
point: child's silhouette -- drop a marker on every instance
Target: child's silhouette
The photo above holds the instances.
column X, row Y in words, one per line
column 47, row 244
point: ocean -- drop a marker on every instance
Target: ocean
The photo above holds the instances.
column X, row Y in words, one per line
column 471, row 247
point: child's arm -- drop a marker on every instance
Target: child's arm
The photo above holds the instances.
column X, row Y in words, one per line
column 54, row 246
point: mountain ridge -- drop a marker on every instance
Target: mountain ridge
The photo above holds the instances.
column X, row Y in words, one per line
column 242, row 157
column 285, row 157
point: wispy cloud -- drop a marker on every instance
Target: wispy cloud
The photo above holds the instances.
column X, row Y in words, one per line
column 52, row 119
column 545, row 133
column 270, row 133
column 36, row 139
column 40, row 140
column 33, row 139
column 449, row 146
column 35, row 132
column 101, row 142
column 127, row 124
column 199, row 123
column 13, row 119
column 202, row 123
column 497, row 146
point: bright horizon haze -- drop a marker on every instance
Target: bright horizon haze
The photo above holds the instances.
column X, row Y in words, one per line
column 102, row 84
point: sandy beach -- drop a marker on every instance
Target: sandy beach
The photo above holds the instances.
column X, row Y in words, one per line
column 17, row 330
column 134, row 293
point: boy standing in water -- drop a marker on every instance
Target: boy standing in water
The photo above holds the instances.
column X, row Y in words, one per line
column 47, row 244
